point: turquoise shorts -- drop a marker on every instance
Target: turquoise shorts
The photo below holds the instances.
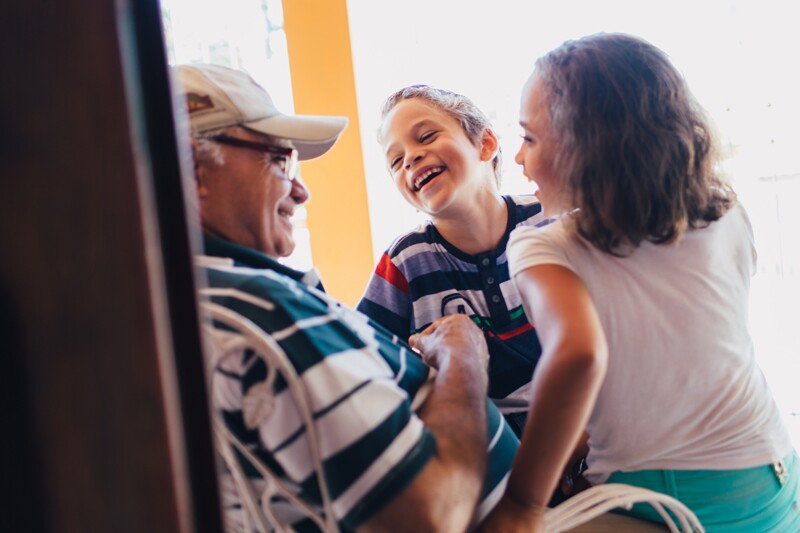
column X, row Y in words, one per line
column 751, row 500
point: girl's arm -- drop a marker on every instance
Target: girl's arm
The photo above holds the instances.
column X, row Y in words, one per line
column 565, row 386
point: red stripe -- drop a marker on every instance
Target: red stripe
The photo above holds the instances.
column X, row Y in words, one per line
column 388, row 271
column 514, row 332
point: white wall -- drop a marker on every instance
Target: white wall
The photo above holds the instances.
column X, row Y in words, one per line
column 739, row 57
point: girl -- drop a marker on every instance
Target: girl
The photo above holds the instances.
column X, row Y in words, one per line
column 639, row 295
column 444, row 160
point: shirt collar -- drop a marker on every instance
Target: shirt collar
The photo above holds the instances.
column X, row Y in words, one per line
column 247, row 257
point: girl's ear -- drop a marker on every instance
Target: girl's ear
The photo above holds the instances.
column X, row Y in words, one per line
column 489, row 145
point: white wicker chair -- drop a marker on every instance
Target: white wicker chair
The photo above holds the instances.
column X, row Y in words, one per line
column 257, row 504
column 600, row 499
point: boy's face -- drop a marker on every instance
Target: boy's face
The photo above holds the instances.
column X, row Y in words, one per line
column 539, row 145
column 432, row 162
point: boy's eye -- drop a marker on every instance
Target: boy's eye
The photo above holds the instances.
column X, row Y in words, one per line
column 427, row 136
column 394, row 162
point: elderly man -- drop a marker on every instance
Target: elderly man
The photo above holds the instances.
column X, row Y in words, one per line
column 404, row 446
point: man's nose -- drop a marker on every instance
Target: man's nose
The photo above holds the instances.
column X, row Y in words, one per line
column 299, row 193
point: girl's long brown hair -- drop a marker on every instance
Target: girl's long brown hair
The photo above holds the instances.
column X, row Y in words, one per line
column 636, row 152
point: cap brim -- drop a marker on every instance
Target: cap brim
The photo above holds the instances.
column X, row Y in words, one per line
column 312, row 135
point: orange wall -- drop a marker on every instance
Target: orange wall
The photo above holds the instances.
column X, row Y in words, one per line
column 323, row 83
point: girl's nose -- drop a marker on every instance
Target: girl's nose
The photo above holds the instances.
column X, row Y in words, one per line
column 518, row 158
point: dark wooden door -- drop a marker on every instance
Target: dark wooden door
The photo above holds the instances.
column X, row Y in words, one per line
column 105, row 422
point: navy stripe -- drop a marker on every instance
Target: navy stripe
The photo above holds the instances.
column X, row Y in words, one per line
column 526, row 211
column 234, row 420
column 306, row 525
column 502, row 454
column 319, row 414
column 434, row 282
column 346, row 467
column 332, row 406
column 393, row 322
column 265, row 458
column 502, row 268
column 256, row 371
column 392, row 484
column 408, row 240
column 510, row 366
column 416, row 373
column 228, row 374
column 288, row 441
column 311, row 345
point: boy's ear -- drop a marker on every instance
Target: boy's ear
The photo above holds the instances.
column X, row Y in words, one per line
column 489, row 145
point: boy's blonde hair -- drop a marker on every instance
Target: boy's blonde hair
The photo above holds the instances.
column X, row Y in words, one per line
column 473, row 121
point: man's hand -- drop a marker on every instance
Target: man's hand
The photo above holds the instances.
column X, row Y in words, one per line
column 443, row 497
column 452, row 335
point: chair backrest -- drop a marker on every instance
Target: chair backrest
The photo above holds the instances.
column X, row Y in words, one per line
column 264, row 499
column 600, row 499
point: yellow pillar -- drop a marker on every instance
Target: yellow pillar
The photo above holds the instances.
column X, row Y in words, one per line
column 323, row 83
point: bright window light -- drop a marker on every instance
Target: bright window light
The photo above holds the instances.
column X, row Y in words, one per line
column 738, row 57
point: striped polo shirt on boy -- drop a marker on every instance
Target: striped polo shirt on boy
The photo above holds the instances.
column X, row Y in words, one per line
column 422, row 277
column 364, row 386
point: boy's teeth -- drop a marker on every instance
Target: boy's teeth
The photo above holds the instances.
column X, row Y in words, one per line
column 425, row 176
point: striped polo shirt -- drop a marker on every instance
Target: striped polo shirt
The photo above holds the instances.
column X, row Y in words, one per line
column 422, row 277
column 364, row 386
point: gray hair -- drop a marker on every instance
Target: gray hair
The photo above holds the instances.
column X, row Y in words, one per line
column 208, row 152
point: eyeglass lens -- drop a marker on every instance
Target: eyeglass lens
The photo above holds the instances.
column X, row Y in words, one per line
column 285, row 158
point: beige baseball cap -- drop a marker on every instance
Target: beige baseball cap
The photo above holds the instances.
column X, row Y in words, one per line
column 220, row 97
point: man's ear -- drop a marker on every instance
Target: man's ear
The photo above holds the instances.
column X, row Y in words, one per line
column 200, row 173
column 489, row 145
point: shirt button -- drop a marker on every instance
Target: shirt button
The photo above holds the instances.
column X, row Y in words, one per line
column 490, row 280
column 496, row 298
column 485, row 261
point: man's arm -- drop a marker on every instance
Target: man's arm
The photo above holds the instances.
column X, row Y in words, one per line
column 444, row 496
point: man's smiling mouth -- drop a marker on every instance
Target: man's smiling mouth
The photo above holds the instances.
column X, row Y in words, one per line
column 427, row 176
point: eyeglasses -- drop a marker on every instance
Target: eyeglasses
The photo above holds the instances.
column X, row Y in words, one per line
column 286, row 157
